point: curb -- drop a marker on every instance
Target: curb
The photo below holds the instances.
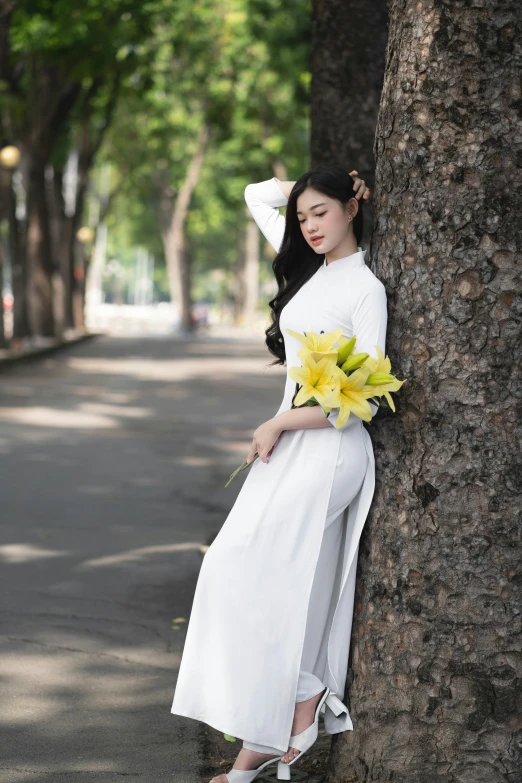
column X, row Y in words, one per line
column 31, row 354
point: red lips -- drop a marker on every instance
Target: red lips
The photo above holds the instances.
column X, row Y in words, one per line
column 316, row 239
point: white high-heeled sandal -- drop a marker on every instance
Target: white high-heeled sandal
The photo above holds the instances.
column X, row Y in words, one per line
column 248, row 775
column 306, row 738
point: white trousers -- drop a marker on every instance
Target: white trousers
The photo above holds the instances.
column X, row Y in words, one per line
column 349, row 475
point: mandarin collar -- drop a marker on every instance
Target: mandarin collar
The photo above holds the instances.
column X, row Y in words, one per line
column 352, row 261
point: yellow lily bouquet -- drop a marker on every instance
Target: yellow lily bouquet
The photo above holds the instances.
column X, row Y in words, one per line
column 335, row 377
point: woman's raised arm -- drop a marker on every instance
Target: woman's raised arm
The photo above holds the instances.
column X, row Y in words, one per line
column 263, row 200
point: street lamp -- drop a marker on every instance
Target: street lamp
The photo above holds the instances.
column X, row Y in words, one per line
column 85, row 234
column 9, row 157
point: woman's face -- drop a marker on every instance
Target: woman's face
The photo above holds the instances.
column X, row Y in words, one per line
column 324, row 219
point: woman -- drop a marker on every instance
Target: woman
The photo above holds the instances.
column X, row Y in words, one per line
column 268, row 639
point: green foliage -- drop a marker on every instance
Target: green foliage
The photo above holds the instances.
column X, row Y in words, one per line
column 241, row 66
column 82, row 44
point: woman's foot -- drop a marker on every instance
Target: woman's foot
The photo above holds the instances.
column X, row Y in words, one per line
column 247, row 759
column 303, row 717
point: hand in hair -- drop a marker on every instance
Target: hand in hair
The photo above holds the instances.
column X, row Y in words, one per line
column 359, row 187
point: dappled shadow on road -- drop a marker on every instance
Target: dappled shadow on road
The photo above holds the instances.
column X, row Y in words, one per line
column 115, row 455
column 215, row 390
column 87, row 684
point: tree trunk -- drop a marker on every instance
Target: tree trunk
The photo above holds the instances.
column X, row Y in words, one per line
column 70, row 224
column 436, row 650
column 3, row 341
column 64, row 225
column 16, row 257
column 236, row 289
column 177, row 254
column 54, row 181
column 347, row 62
column 39, row 256
column 76, row 275
column 18, row 263
column 250, row 273
column 79, row 290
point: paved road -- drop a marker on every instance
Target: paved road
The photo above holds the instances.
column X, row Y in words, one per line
column 114, row 456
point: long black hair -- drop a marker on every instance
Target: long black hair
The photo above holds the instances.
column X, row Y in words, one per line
column 296, row 260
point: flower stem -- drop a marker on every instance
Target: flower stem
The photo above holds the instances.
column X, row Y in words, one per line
column 244, row 465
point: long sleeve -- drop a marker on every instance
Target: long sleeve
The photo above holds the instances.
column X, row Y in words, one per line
column 370, row 319
column 263, row 200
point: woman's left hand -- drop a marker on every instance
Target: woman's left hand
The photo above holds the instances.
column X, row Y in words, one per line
column 264, row 440
column 359, row 186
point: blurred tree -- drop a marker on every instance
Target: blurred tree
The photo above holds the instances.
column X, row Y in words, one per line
column 184, row 80
column 216, row 110
column 55, row 60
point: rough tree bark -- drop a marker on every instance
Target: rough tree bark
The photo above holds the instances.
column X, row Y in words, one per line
column 436, row 650
column 347, row 63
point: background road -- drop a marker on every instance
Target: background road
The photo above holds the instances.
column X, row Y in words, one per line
column 114, row 457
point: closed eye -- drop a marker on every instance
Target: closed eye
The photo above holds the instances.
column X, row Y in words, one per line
column 318, row 215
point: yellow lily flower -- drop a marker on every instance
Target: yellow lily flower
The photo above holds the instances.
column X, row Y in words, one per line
column 353, row 362
column 379, row 378
column 380, row 364
column 316, row 355
column 349, row 396
column 383, row 391
column 315, row 378
column 346, row 347
column 376, row 387
column 319, row 345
